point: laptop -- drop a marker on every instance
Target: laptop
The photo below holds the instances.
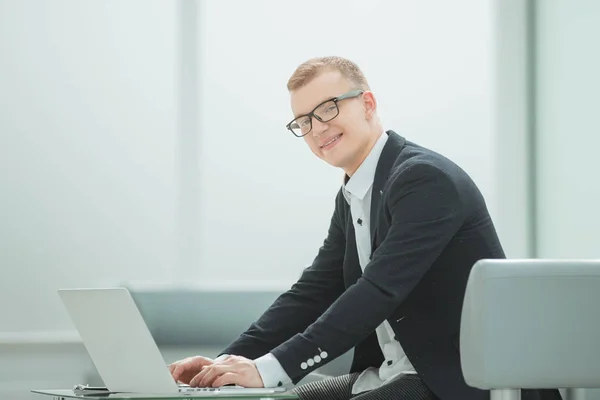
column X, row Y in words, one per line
column 122, row 348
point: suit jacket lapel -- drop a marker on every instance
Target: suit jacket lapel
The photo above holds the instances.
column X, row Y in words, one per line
column 389, row 154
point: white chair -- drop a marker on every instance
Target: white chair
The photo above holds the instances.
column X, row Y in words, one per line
column 532, row 324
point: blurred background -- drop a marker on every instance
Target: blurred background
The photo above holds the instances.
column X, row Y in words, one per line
column 143, row 144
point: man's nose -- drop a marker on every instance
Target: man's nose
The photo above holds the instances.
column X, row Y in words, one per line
column 318, row 127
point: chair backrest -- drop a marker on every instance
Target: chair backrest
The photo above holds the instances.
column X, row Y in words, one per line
column 532, row 324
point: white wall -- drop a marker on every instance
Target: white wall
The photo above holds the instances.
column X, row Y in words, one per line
column 89, row 166
column 568, row 134
column 87, row 144
column 87, row 170
column 90, row 182
column 89, row 153
column 266, row 199
column 568, row 131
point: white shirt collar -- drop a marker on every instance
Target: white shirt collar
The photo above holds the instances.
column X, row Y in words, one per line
column 362, row 180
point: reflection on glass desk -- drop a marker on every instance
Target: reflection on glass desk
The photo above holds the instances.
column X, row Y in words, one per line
column 70, row 394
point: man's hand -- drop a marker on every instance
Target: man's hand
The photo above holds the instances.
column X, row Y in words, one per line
column 184, row 370
column 234, row 370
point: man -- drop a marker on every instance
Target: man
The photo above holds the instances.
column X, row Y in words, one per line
column 390, row 277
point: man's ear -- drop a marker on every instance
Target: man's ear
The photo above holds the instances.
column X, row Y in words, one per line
column 370, row 104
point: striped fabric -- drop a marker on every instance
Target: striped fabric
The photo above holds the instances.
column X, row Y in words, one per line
column 406, row 387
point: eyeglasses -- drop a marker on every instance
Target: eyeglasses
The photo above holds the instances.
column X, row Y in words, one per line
column 324, row 112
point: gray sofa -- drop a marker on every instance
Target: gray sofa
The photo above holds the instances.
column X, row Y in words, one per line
column 532, row 324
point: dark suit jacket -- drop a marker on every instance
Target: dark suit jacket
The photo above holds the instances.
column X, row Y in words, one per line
column 429, row 225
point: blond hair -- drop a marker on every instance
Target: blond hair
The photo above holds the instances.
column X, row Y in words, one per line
column 309, row 70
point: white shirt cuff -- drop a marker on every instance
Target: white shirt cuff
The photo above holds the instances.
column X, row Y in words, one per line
column 271, row 371
column 221, row 357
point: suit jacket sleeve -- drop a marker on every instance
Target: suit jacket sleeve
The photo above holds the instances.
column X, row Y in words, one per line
column 425, row 211
column 292, row 312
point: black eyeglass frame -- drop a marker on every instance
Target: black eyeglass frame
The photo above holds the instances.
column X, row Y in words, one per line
column 348, row 95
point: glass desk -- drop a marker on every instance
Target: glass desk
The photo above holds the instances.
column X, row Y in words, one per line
column 70, row 394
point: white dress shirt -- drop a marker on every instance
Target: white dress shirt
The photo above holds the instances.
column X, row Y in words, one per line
column 357, row 192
